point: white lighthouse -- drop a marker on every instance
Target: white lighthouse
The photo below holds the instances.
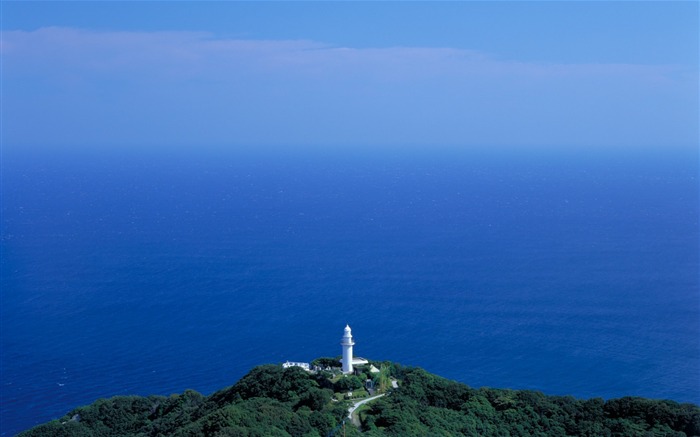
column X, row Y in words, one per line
column 347, row 343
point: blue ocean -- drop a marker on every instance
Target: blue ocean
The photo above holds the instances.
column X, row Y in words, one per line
column 127, row 272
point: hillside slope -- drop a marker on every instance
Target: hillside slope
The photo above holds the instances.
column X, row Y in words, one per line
column 272, row 401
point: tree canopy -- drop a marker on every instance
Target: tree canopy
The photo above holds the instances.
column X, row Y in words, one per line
column 274, row 401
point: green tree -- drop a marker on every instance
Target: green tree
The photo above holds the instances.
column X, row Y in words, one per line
column 348, row 383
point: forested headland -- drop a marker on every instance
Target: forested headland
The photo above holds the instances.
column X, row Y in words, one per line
column 276, row 401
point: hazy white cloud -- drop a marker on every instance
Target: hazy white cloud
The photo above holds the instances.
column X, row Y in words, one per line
column 311, row 91
column 200, row 54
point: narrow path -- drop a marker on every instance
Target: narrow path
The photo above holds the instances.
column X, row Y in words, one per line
column 356, row 420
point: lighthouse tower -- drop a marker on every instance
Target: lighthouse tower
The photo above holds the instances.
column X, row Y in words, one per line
column 347, row 343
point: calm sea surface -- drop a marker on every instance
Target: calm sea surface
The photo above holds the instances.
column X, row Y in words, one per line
column 150, row 273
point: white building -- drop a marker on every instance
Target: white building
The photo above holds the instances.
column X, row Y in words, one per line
column 347, row 343
column 304, row 366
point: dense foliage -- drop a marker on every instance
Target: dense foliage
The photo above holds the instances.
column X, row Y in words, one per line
column 272, row 401
column 429, row 405
column 269, row 401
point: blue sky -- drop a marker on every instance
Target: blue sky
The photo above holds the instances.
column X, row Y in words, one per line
column 350, row 74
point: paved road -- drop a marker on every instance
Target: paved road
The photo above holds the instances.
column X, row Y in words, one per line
column 358, row 404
